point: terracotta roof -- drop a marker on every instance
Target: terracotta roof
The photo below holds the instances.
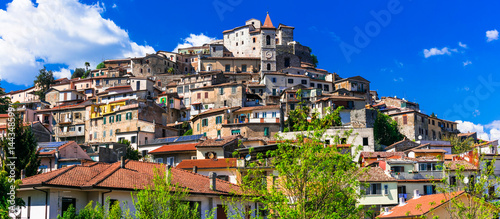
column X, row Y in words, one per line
column 468, row 134
column 214, row 110
column 175, row 148
column 425, row 203
column 214, row 142
column 208, row 163
column 4, row 115
column 135, row 175
column 454, row 165
column 120, row 87
column 487, row 143
column 449, row 156
column 381, row 154
column 375, row 174
column 267, row 22
column 429, row 150
column 257, row 108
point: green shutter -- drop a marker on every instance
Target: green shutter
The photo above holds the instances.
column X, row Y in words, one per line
column 104, row 120
column 266, row 131
column 198, row 127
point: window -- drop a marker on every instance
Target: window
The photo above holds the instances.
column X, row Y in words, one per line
column 429, row 189
column 236, row 43
column 145, row 140
column 273, row 80
column 432, row 122
column 128, row 116
column 242, row 42
column 256, row 115
column 133, row 139
column 110, row 132
column 311, row 85
column 179, row 90
column 266, row 131
column 206, row 95
column 292, row 106
column 264, row 114
column 287, row 62
column 213, row 49
column 386, row 189
column 398, row 169
column 365, row 141
column 66, row 202
column 218, row 120
column 405, row 119
column 103, row 134
column 243, row 68
column 221, row 91
column 225, row 102
column 198, row 127
column 204, row 122
column 228, row 68
column 233, row 90
column 170, row 161
column 303, row 82
column 326, row 87
column 374, row 189
column 268, row 40
column 253, row 39
column 319, row 86
column 111, row 119
column 235, row 132
column 118, row 117
column 268, row 66
column 104, row 120
column 290, row 80
column 453, row 180
column 274, row 92
column 343, row 141
column 273, row 114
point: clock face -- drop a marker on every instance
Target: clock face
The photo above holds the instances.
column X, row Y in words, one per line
column 269, row 54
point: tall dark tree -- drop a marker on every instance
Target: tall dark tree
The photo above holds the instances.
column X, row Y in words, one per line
column 4, row 102
column 20, row 142
column 386, row 130
column 78, row 73
column 43, row 81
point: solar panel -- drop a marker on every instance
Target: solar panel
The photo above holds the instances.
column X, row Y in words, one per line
column 189, row 138
column 51, row 144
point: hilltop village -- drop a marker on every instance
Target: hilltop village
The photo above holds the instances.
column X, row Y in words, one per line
column 192, row 109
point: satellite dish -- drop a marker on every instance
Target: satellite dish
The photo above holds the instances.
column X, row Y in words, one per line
column 176, row 122
column 248, row 157
column 466, row 180
column 420, row 137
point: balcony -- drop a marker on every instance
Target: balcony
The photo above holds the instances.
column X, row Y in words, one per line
column 61, row 134
column 260, row 163
column 418, row 175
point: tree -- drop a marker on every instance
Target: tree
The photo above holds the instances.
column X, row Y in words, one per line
column 313, row 181
column 5, row 189
column 314, row 60
column 164, row 200
column 188, row 132
column 478, row 186
column 24, row 144
column 131, row 153
column 298, row 118
column 43, row 81
column 4, row 102
column 100, row 65
column 433, row 115
column 385, row 130
column 87, row 66
column 170, row 70
column 459, row 145
column 78, row 73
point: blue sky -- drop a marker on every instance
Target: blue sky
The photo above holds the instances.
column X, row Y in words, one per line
column 437, row 53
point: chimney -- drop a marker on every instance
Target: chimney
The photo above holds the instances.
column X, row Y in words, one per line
column 23, row 174
column 416, row 194
column 122, row 162
column 167, row 173
column 213, row 176
column 195, row 169
column 402, row 201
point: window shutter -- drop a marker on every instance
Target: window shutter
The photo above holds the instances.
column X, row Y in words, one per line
column 104, row 120
column 379, row 188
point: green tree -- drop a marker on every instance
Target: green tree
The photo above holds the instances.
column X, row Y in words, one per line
column 188, row 132
column 24, row 144
column 298, row 118
column 313, row 181
column 433, row 115
column 78, row 73
column 163, row 200
column 43, row 81
column 4, row 102
column 5, row 189
column 100, row 65
column 314, row 60
column 385, row 130
column 479, row 188
column 131, row 153
column 459, row 145
column 87, row 66
column 171, row 70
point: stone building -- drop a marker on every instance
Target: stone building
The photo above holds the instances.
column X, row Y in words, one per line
column 357, row 85
column 418, row 126
column 209, row 123
column 253, row 122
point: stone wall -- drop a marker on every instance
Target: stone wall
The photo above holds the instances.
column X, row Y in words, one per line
column 363, row 118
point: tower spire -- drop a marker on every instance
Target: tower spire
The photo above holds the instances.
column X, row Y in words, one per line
column 268, row 23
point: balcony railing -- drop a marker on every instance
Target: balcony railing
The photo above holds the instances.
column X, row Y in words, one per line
column 418, row 175
column 260, row 163
column 70, row 134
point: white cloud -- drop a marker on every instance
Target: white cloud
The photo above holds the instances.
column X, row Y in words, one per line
column 62, row 73
column 462, row 45
column 435, row 51
column 194, row 40
column 488, row 132
column 466, row 63
column 400, row 79
column 114, row 6
column 64, row 32
column 491, row 35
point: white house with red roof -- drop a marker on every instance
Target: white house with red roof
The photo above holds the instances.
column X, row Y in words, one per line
column 50, row 194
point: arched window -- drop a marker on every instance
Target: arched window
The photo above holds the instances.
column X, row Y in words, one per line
column 268, row 40
column 268, row 66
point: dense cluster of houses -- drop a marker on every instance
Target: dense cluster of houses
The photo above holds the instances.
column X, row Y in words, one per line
column 234, row 94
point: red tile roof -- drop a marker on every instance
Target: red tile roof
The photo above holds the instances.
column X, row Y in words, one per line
column 175, row 148
column 208, row 163
column 214, row 142
column 120, row 87
column 267, row 22
column 381, row 154
column 375, row 174
column 257, row 108
column 454, row 165
column 425, row 203
column 4, row 115
column 135, row 175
